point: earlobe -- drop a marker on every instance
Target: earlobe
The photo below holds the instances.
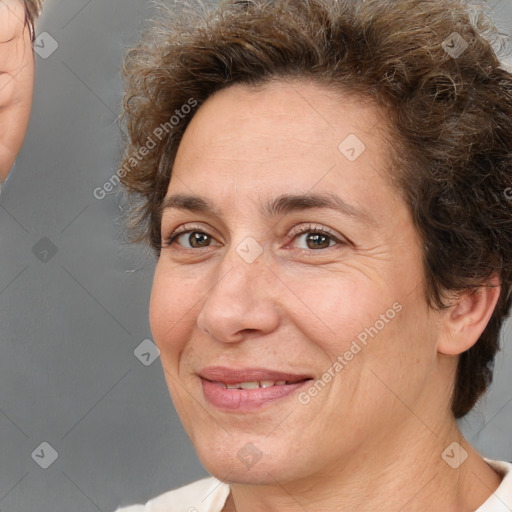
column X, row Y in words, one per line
column 465, row 320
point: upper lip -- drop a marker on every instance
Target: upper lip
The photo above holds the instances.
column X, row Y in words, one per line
column 236, row 375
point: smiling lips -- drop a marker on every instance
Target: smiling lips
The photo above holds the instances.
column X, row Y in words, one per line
column 243, row 390
column 253, row 384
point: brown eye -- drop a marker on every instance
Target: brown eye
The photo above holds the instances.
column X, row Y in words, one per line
column 198, row 239
column 311, row 238
column 318, row 241
column 190, row 239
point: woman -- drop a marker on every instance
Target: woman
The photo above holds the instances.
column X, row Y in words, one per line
column 16, row 76
column 324, row 184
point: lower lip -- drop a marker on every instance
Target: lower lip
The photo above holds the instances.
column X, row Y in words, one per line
column 242, row 400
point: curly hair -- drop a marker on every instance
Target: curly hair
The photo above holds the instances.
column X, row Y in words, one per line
column 432, row 66
column 33, row 9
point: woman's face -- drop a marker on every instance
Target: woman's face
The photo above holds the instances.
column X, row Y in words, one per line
column 290, row 253
column 16, row 81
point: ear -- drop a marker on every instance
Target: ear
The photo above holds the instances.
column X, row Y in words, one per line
column 466, row 318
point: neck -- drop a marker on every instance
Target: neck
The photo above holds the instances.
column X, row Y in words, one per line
column 409, row 474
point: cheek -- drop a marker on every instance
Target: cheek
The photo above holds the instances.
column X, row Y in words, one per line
column 171, row 311
column 366, row 323
column 333, row 309
column 7, row 86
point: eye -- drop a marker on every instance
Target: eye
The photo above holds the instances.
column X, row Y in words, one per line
column 315, row 238
column 305, row 237
column 190, row 239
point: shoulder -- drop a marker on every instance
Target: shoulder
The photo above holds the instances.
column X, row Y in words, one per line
column 206, row 495
column 501, row 499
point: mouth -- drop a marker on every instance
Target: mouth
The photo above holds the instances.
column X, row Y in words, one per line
column 256, row 384
column 243, row 390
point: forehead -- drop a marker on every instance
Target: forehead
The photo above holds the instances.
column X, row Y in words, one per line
column 282, row 137
column 291, row 113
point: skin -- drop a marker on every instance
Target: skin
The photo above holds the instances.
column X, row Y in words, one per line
column 16, row 81
column 374, row 435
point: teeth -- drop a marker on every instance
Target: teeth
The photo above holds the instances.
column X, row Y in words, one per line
column 249, row 385
column 253, row 384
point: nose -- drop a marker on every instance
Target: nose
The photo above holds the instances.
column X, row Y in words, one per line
column 240, row 302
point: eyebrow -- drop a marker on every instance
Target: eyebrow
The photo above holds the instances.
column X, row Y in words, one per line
column 283, row 204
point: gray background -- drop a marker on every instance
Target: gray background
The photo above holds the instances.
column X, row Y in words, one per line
column 74, row 298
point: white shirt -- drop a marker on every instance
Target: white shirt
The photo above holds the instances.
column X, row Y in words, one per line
column 210, row 495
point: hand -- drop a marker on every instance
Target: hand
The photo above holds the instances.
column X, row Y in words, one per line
column 16, row 81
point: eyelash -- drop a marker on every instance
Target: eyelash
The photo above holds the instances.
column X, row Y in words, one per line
column 294, row 233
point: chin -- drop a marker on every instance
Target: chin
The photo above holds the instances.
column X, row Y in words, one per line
column 246, row 459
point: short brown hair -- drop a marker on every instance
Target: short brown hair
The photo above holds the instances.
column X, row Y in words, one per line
column 450, row 121
column 33, row 9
